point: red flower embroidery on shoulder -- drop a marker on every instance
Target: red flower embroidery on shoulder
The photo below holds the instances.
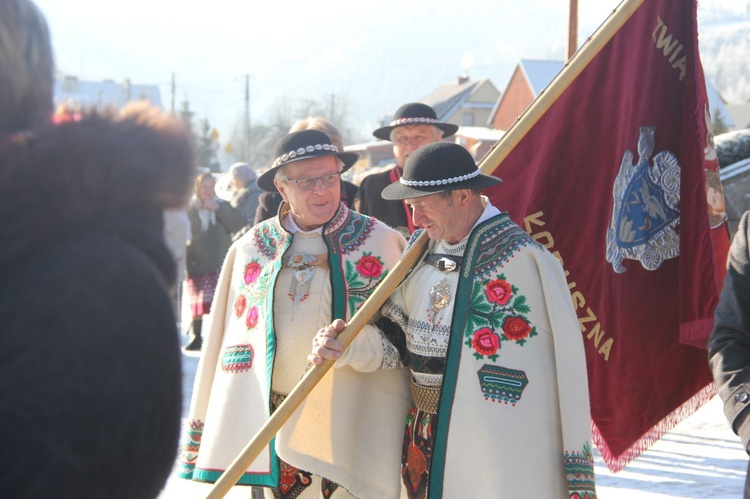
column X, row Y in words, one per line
column 239, row 305
column 486, row 341
column 516, row 328
column 252, row 271
column 498, row 291
column 370, row 266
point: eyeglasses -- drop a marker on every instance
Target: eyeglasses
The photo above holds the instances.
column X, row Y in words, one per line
column 308, row 184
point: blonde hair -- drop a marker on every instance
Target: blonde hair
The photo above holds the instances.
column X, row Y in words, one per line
column 26, row 67
column 322, row 125
column 199, row 179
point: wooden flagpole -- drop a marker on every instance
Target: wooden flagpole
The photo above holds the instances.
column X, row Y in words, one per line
column 488, row 163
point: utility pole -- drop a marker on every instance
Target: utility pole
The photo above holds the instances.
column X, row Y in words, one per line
column 247, row 115
column 172, row 90
column 573, row 28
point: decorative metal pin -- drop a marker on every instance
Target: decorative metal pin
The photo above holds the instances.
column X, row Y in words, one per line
column 304, row 270
column 446, row 265
column 440, row 296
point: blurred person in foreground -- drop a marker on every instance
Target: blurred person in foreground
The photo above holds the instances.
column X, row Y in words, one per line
column 486, row 325
column 729, row 344
column 90, row 378
column 269, row 201
column 213, row 225
column 414, row 125
column 282, row 281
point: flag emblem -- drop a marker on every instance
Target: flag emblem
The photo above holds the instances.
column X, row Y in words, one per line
column 646, row 210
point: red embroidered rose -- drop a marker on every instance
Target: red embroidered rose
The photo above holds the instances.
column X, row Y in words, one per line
column 239, row 305
column 516, row 328
column 251, row 320
column 252, row 271
column 498, row 291
column 486, row 342
column 370, row 266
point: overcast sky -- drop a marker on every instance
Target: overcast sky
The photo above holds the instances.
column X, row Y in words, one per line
column 373, row 56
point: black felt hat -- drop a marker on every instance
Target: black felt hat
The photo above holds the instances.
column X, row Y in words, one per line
column 298, row 146
column 438, row 167
column 415, row 113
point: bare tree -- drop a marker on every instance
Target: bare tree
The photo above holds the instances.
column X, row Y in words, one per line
column 256, row 147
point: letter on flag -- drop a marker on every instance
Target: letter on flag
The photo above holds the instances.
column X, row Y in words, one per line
column 613, row 180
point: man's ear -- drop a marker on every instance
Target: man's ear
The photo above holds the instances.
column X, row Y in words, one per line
column 462, row 196
column 281, row 187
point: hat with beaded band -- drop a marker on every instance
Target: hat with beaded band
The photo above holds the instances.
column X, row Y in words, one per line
column 298, row 146
column 438, row 167
column 415, row 113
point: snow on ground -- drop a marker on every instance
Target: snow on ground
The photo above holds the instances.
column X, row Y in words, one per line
column 699, row 458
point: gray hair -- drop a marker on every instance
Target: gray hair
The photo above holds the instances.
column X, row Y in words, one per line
column 26, row 67
column 279, row 175
column 242, row 172
column 322, row 125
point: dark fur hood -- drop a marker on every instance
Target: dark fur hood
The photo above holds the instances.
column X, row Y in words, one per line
column 106, row 169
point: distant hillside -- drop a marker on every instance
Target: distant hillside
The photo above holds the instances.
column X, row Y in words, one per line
column 725, row 53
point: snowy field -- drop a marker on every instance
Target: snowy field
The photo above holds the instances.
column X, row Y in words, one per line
column 699, row 458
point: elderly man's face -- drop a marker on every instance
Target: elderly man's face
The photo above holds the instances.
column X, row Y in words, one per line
column 445, row 218
column 311, row 208
column 407, row 139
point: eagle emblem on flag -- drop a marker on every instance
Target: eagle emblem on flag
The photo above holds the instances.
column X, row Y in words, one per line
column 646, row 213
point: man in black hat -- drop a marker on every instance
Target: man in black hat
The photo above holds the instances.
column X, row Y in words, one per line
column 281, row 281
column 486, row 325
column 414, row 125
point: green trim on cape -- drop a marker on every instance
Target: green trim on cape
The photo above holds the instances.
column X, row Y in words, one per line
column 259, row 479
column 453, row 355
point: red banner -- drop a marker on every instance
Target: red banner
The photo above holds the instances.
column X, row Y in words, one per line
column 619, row 179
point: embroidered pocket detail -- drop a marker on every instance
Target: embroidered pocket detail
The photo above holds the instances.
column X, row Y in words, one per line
column 500, row 384
column 237, row 358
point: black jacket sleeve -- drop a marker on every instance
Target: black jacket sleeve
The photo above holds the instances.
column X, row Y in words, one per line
column 729, row 344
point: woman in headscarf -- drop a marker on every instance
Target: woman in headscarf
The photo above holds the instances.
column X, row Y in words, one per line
column 213, row 222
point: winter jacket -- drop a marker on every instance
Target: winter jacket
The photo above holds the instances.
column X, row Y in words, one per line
column 729, row 344
column 207, row 249
column 90, row 378
column 245, row 202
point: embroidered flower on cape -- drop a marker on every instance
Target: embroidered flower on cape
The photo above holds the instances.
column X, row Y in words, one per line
column 370, row 266
column 252, row 271
column 497, row 313
column 516, row 328
column 362, row 278
column 486, row 342
column 239, row 305
column 251, row 320
column 251, row 293
column 498, row 291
